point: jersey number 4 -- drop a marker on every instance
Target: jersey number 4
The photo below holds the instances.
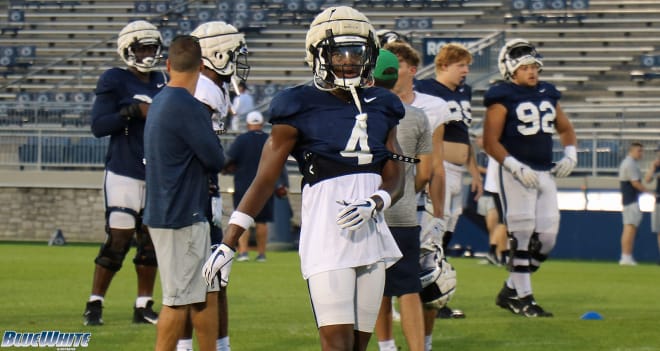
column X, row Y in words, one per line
column 358, row 142
column 536, row 118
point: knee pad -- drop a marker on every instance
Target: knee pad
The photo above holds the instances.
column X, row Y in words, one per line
column 145, row 254
column 516, row 256
column 539, row 248
column 112, row 252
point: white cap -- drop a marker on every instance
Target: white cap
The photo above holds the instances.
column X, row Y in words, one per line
column 210, row 94
column 254, row 117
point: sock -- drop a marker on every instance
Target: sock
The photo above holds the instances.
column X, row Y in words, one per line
column 184, row 345
column 387, row 345
column 493, row 249
column 626, row 257
column 428, row 339
column 523, row 283
column 93, row 298
column 141, row 301
column 222, row 344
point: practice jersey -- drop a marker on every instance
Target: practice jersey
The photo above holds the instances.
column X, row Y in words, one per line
column 530, row 121
column 116, row 88
column 334, row 137
column 458, row 103
column 435, row 108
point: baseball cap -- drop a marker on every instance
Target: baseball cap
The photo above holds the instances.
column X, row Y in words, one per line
column 387, row 66
column 208, row 93
column 254, row 117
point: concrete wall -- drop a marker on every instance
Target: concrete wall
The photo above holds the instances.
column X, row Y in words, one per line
column 36, row 204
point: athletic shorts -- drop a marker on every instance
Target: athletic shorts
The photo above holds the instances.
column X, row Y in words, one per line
column 403, row 277
column 125, row 192
column 181, row 253
column 632, row 214
column 348, row 296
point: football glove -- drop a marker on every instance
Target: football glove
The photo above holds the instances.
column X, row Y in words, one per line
column 356, row 213
column 216, row 209
column 565, row 166
column 522, row 172
column 219, row 264
column 131, row 111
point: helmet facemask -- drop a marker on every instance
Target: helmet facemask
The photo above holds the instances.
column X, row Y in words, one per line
column 344, row 61
column 133, row 38
column 518, row 53
column 146, row 63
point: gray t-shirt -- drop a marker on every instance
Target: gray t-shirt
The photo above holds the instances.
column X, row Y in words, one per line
column 414, row 136
column 629, row 170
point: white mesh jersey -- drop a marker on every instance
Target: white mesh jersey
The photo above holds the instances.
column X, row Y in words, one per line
column 436, row 109
column 492, row 177
column 324, row 246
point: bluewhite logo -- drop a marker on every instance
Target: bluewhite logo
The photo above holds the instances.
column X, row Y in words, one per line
column 47, row 338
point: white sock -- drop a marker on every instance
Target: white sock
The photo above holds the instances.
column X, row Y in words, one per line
column 184, row 345
column 523, row 283
column 387, row 345
column 141, row 301
column 222, row 344
column 428, row 340
column 93, row 298
column 626, row 257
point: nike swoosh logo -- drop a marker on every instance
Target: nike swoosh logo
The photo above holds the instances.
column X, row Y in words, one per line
column 542, row 90
column 369, row 100
column 160, row 85
column 311, row 169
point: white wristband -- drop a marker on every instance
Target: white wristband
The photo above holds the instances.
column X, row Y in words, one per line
column 571, row 152
column 387, row 199
column 241, row 219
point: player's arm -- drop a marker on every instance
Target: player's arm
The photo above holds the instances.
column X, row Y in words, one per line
column 564, row 128
column 393, row 172
column 651, row 171
column 422, row 171
column 437, row 184
column 493, row 127
column 477, row 185
column 273, row 157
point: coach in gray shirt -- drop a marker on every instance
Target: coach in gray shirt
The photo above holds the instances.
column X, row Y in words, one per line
column 630, row 179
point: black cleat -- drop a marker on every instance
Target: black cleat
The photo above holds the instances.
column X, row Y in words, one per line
column 447, row 313
column 529, row 308
column 145, row 314
column 93, row 313
column 508, row 300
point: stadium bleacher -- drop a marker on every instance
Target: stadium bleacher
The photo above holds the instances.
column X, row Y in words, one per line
column 591, row 60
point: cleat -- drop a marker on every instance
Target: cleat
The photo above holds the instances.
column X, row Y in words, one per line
column 448, row 313
column 93, row 313
column 261, row 258
column 243, row 257
column 508, row 300
column 145, row 314
column 492, row 259
column 531, row 309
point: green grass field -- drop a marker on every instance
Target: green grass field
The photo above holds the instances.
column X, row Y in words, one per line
column 45, row 288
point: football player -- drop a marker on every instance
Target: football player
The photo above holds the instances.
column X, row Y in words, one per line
column 452, row 64
column 523, row 114
column 344, row 139
column 437, row 113
column 123, row 96
column 224, row 53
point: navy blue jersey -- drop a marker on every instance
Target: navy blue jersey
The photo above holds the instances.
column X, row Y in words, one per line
column 181, row 150
column 245, row 153
column 115, row 89
column 331, row 130
column 460, row 108
column 530, row 121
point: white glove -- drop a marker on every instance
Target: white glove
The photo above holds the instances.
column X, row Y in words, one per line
column 356, row 213
column 216, row 210
column 522, row 172
column 219, row 262
column 565, row 166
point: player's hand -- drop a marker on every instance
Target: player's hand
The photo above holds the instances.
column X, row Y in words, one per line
column 219, row 264
column 565, row 166
column 522, row 172
column 216, row 210
column 132, row 111
column 356, row 213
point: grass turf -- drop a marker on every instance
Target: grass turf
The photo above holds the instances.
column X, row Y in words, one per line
column 45, row 288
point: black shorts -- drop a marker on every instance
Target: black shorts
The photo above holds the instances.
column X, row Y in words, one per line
column 403, row 277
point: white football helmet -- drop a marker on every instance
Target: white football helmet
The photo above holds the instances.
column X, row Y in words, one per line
column 139, row 33
column 516, row 53
column 223, row 49
column 438, row 283
column 345, row 33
